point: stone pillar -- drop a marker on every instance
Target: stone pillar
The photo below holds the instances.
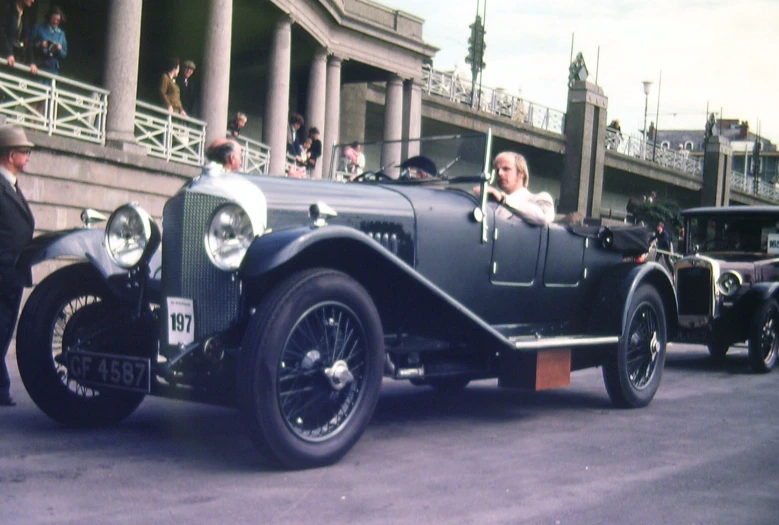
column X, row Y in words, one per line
column 332, row 112
column 215, row 96
column 393, row 126
column 412, row 117
column 276, row 119
column 716, row 172
column 121, row 70
column 317, row 95
column 581, row 187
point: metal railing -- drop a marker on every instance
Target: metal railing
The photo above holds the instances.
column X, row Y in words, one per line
column 255, row 156
column 168, row 135
column 53, row 104
column 636, row 146
column 746, row 183
column 496, row 101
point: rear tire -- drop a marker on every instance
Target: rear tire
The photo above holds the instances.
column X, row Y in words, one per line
column 632, row 374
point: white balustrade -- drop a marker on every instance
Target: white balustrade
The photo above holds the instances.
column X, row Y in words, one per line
column 491, row 100
column 52, row 104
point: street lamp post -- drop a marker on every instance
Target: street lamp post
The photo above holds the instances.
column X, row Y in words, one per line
column 647, row 86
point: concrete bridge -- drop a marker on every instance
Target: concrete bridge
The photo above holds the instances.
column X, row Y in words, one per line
column 573, row 155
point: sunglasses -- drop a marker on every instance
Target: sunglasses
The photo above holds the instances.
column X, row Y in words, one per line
column 23, row 151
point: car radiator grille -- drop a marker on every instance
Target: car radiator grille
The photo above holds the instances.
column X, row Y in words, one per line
column 694, row 288
column 187, row 270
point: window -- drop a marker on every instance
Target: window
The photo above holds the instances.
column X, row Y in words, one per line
column 665, row 144
column 688, row 145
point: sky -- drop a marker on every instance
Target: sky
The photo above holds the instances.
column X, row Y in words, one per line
column 715, row 54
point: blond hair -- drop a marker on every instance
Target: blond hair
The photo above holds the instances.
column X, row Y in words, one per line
column 519, row 162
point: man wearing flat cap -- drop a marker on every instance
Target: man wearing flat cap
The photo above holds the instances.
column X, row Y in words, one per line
column 16, row 229
column 189, row 89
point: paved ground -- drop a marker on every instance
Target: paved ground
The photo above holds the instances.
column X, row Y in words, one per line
column 704, row 452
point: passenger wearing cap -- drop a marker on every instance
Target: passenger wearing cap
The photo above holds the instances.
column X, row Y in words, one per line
column 188, row 87
column 16, row 229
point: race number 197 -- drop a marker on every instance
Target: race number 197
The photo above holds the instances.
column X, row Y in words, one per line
column 181, row 321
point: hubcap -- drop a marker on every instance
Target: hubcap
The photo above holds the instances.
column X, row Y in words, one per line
column 339, row 375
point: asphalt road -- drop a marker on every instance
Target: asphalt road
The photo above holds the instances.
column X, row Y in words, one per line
column 704, row 452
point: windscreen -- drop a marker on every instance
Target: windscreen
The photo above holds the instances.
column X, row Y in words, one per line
column 450, row 158
column 733, row 233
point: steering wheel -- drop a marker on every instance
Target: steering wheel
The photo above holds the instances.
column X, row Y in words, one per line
column 374, row 176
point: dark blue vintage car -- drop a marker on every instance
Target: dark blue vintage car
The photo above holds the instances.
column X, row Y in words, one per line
column 292, row 299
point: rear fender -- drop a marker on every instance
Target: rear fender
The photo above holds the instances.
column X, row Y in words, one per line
column 616, row 290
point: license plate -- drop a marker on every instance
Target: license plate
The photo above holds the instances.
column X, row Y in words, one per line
column 126, row 373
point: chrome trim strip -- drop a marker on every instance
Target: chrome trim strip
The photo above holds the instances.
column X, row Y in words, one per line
column 541, row 343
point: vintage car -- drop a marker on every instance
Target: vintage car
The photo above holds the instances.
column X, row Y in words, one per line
column 727, row 281
column 292, row 299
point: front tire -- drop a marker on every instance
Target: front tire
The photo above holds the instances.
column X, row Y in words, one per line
column 69, row 302
column 764, row 337
column 310, row 369
column 632, row 374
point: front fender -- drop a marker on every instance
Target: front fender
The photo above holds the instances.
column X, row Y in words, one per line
column 616, row 290
column 273, row 250
column 380, row 271
column 82, row 244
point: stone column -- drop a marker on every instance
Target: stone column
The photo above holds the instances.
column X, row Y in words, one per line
column 412, row 116
column 317, row 95
column 332, row 112
column 581, row 187
column 716, row 172
column 121, row 70
column 393, row 126
column 215, row 96
column 276, row 120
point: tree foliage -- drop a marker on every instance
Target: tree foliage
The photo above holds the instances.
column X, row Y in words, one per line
column 651, row 210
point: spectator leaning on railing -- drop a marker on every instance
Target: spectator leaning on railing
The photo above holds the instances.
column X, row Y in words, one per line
column 49, row 41
column 16, row 24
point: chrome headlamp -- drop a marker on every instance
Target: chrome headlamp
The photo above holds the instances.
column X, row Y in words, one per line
column 729, row 283
column 127, row 235
column 230, row 232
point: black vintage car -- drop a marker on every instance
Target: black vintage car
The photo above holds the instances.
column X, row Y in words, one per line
column 292, row 299
column 727, row 282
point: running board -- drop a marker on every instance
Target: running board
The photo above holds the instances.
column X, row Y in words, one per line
column 544, row 343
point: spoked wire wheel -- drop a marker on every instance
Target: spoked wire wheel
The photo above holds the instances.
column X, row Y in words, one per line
column 310, row 368
column 643, row 347
column 69, row 307
column 322, row 371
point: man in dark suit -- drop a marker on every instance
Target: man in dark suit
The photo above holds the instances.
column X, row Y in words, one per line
column 189, row 89
column 16, row 229
column 16, row 24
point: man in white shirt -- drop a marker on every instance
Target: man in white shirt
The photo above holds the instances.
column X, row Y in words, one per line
column 513, row 178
